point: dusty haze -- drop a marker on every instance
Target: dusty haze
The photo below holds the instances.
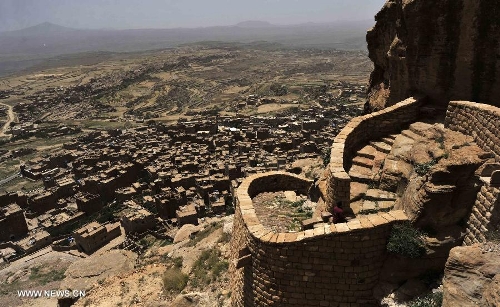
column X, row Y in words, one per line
column 135, row 14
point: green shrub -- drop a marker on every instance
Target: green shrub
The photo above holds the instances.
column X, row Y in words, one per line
column 424, row 168
column 326, row 156
column 208, row 267
column 430, row 300
column 44, row 277
column 407, row 241
column 174, row 280
column 177, row 262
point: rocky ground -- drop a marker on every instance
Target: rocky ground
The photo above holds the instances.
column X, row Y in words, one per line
column 143, row 284
column 43, row 270
column 283, row 211
column 123, row 278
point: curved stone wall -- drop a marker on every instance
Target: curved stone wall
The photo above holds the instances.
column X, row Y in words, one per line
column 480, row 121
column 330, row 265
column 357, row 134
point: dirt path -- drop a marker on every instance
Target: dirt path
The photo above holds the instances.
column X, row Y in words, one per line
column 11, row 116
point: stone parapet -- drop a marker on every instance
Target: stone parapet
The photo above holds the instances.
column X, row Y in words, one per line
column 329, row 265
column 357, row 134
column 481, row 121
column 485, row 216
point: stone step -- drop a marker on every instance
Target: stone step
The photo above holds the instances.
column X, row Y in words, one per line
column 381, row 146
column 392, row 136
column 370, row 206
column 356, row 206
column 386, row 205
column 358, row 191
column 380, row 195
column 379, row 159
column 388, row 141
column 360, row 174
column 419, row 128
column 410, row 134
column 367, row 152
column 362, row 161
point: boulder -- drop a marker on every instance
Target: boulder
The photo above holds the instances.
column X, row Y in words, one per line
column 472, row 277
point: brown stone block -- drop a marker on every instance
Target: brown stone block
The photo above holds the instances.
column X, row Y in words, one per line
column 365, row 222
column 389, row 218
column 342, row 227
column 354, row 224
column 376, row 220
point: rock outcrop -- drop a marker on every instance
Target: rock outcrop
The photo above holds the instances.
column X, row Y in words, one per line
column 447, row 50
column 472, row 276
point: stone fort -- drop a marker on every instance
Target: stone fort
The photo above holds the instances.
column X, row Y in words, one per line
column 431, row 161
column 370, row 173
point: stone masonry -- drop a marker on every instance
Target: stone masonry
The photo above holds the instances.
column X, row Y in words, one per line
column 356, row 134
column 329, row 265
column 482, row 122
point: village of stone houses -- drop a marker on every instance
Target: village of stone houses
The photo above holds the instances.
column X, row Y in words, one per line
column 243, row 175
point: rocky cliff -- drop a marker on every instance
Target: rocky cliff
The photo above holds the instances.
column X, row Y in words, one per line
column 447, row 49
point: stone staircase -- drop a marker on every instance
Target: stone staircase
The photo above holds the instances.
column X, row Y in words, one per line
column 365, row 172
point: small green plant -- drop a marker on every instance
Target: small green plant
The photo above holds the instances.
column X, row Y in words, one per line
column 208, row 267
column 174, row 280
column 298, row 203
column 407, row 241
column 429, row 300
column 440, row 140
column 177, row 262
column 424, row 168
column 326, row 156
column 38, row 274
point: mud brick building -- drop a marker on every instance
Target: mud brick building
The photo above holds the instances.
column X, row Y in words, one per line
column 44, row 201
column 12, row 223
column 93, row 236
column 187, row 215
column 138, row 221
column 88, row 203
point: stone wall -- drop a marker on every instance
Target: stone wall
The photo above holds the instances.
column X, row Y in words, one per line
column 485, row 215
column 480, row 121
column 358, row 133
column 330, row 265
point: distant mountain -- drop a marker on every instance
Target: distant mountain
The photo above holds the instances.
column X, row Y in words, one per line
column 254, row 24
column 43, row 29
column 19, row 48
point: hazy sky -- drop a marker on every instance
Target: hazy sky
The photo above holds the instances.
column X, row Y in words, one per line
column 126, row 14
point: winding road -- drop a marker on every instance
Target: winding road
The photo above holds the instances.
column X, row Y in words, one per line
column 11, row 116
